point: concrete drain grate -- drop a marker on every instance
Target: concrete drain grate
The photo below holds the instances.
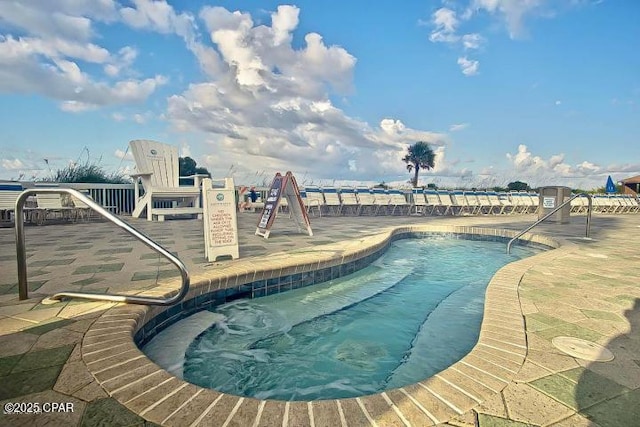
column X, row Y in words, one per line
column 582, row 349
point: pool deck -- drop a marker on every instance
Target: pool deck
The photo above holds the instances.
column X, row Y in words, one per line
column 515, row 376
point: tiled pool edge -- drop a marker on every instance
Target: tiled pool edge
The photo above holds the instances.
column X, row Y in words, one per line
column 124, row 372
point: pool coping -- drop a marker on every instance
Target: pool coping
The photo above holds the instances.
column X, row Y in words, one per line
column 125, row 373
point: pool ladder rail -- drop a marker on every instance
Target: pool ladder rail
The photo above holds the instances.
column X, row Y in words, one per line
column 23, row 290
column 563, row 204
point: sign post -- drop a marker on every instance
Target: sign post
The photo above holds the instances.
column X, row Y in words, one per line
column 283, row 186
column 220, row 220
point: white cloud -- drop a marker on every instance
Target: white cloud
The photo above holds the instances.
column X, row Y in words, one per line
column 469, row 67
column 54, row 50
column 159, row 16
column 558, row 102
column 448, row 22
column 445, row 24
column 12, row 164
column 512, row 12
column 76, row 106
column 555, row 170
column 267, row 103
column 123, row 155
column 458, row 127
column 472, row 41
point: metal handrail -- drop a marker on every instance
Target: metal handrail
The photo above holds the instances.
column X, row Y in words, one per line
column 588, row 231
column 22, row 261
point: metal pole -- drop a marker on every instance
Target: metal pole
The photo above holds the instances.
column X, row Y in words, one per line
column 588, row 231
column 23, row 291
column 22, row 263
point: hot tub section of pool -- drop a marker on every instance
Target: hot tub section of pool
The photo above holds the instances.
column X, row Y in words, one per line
column 413, row 312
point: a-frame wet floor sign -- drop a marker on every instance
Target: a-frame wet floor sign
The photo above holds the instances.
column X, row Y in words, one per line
column 283, row 186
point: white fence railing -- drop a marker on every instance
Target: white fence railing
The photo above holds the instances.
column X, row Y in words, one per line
column 117, row 198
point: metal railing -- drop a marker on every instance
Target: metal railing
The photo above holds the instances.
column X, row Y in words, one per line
column 22, row 260
column 588, row 231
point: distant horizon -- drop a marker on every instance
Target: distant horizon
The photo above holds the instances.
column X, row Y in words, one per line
column 544, row 92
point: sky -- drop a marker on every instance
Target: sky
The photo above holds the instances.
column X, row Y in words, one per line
column 542, row 91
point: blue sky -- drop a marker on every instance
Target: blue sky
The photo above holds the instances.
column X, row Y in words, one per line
column 542, row 91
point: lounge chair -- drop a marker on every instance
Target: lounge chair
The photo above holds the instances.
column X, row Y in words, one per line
column 507, row 204
column 486, row 207
column 312, row 199
column 157, row 166
column 50, row 207
column 81, row 209
column 473, row 202
column 350, row 201
column 458, row 199
column 418, row 202
column 367, row 201
column 381, row 200
column 8, row 195
column 494, row 202
column 332, row 200
column 433, row 200
column 398, row 202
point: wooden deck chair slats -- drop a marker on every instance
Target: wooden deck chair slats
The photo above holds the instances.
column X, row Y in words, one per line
column 157, row 168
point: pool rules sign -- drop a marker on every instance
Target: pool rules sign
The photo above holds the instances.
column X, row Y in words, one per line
column 220, row 220
column 283, row 186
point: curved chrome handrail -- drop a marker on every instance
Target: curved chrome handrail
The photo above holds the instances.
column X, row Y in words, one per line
column 588, row 231
column 22, row 261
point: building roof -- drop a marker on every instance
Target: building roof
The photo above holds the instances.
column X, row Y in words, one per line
column 632, row 180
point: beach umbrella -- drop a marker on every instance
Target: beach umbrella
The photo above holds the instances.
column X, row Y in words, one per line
column 610, row 187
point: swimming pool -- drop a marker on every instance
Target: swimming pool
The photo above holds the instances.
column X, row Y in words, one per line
column 410, row 314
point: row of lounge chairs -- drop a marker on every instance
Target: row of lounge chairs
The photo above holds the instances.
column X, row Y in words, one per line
column 41, row 207
column 378, row 201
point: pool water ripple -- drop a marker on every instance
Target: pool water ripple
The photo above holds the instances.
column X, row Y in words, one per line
column 412, row 313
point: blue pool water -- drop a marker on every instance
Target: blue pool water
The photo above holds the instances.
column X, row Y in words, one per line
column 410, row 314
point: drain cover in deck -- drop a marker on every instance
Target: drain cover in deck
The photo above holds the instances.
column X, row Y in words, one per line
column 582, row 349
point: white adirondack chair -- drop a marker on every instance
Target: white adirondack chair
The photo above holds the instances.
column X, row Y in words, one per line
column 157, row 168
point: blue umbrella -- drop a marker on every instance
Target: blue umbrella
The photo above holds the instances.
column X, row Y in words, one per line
column 611, row 187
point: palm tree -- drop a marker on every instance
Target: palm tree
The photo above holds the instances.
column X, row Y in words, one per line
column 420, row 155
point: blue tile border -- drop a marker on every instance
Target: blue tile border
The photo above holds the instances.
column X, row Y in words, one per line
column 260, row 288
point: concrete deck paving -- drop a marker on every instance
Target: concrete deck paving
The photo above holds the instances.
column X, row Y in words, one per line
column 586, row 289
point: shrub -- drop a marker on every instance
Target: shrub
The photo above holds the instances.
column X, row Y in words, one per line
column 87, row 173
